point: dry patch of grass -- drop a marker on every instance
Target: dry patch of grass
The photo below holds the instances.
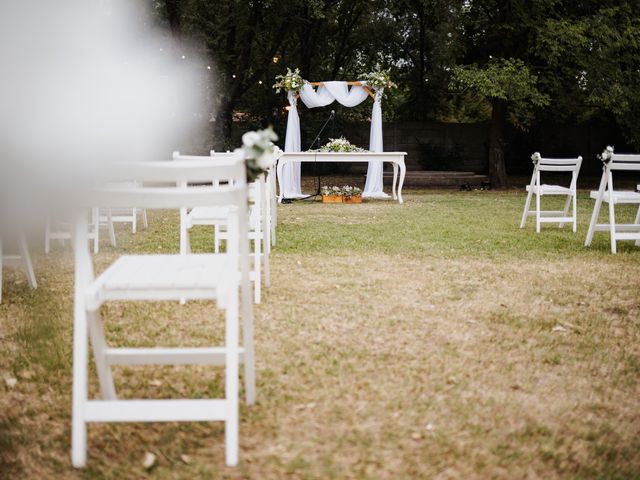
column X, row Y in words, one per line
column 429, row 340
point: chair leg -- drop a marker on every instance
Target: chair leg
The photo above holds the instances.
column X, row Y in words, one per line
column 99, row 345
column 637, row 222
column 257, row 270
column 216, row 238
column 575, row 212
column 184, row 233
column 594, row 221
column 26, row 261
column 80, row 391
column 231, row 382
column 538, row 211
column 1, row 267
column 96, row 229
column 612, row 226
column 185, row 247
column 134, row 221
column 145, row 222
column 266, row 260
column 111, row 229
column 249, row 361
column 565, row 210
column 527, row 204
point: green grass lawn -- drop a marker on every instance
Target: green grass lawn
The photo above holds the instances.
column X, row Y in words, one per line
column 433, row 339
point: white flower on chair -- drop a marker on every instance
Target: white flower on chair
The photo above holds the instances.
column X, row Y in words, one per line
column 535, row 158
column 259, row 151
column 606, row 154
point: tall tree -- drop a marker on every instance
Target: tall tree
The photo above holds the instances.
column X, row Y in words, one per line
column 508, row 85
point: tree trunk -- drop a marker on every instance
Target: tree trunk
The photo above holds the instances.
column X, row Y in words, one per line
column 497, row 170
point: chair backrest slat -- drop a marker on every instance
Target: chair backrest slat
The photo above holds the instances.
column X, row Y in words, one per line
column 223, row 155
column 624, row 162
column 172, row 173
column 195, row 171
column 559, row 164
column 169, row 198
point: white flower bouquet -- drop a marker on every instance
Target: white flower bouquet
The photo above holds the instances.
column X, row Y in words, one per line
column 291, row 81
column 535, row 158
column 340, row 145
column 259, row 152
column 606, row 154
column 378, row 78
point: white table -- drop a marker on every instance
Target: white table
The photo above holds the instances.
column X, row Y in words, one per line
column 395, row 158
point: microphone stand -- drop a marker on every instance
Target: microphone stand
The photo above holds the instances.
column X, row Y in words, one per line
column 331, row 117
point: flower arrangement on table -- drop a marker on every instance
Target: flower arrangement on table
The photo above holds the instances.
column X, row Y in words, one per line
column 290, row 81
column 378, row 78
column 344, row 194
column 340, row 145
column 259, row 152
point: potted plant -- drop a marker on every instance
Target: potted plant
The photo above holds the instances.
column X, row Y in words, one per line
column 331, row 194
column 351, row 194
column 345, row 194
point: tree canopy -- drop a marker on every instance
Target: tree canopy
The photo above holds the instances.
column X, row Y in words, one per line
column 517, row 61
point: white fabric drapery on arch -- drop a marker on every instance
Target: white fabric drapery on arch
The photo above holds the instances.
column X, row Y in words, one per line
column 327, row 93
column 291, row 171
column 373, row 185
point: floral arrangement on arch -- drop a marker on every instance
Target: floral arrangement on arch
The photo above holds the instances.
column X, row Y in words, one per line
column 344, row 191
column 340, row 145
column 259, row 152
column 290, row 81
column 378, row 78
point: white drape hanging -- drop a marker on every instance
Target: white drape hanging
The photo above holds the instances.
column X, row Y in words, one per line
column 291, row 171
column 323, row 96
column 330, row 91
column 373, row 185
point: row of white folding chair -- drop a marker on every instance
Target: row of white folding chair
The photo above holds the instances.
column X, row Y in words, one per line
column 21, row 260
column 556, row 165
column 217, row 277
column 270, row 210
column 58, row 229
column 258, row 231
column 126, row 215
column 261, row 225
column 608, row 194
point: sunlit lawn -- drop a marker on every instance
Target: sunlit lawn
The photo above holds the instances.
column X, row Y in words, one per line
column 433, row 339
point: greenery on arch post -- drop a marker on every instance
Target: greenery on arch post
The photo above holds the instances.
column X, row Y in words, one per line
column 512, row 90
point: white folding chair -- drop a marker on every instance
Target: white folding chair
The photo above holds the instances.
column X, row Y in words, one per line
column 216, row 277
column 258, row 233
column 606, row 193
column 21, row 260
column 571, row 165
column 216, row 217
column 57, row 229
column 127, row 215
column 272, row 204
